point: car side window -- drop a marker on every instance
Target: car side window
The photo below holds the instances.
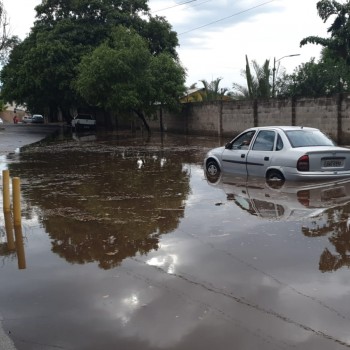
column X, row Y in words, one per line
column 243, row 141
column 279, row 144
column 264, row 141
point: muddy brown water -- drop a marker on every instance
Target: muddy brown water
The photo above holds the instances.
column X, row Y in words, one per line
column 127, row 245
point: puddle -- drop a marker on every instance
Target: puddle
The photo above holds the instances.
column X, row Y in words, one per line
column 127, row 245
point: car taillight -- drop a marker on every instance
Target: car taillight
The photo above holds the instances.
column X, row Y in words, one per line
column 304, row 197
column 303, row 163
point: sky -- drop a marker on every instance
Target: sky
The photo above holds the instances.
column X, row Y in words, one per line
column 216, row 35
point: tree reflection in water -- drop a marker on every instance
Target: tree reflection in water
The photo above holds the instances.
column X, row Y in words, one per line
column 334, row 222
column 100, row 202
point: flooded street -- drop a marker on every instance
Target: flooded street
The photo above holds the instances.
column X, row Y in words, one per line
column 126, row 245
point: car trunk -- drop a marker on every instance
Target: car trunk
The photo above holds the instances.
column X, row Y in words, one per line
column 325, row 160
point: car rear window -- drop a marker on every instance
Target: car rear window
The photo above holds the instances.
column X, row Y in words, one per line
column 308, row 138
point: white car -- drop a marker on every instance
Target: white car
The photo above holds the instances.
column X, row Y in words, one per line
column 37, row 119
column 281, row 153
column 27, row 119
column 83, row 122
column 1, row 121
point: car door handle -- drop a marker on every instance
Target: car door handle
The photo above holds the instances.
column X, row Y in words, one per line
column 243, row 155
column 267, row 158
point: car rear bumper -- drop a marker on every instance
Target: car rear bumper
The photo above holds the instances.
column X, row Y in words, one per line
column 295, row 175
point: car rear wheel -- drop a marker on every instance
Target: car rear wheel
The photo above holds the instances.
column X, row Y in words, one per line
column 212, row 168
column 274, row 175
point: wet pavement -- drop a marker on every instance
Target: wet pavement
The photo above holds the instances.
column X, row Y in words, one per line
column 127, row 245
column 15, row 136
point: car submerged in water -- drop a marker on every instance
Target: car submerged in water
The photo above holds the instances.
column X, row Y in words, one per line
column 280, row 153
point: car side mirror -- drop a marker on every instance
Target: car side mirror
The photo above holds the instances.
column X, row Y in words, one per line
column 228, row 145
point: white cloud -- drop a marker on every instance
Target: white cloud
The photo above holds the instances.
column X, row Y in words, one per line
column 261, row 29
column 270, row 31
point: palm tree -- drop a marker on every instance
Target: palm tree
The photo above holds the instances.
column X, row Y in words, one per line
column 258, row 86
column 212, row 92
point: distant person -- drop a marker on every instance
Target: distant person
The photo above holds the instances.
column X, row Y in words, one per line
column 15, row 119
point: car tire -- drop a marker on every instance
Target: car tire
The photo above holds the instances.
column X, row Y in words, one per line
column 212, row 168
column 274, row 175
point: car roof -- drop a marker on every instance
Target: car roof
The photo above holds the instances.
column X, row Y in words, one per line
column 282, row 127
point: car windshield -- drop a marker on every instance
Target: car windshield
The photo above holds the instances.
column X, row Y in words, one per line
column 308, row 138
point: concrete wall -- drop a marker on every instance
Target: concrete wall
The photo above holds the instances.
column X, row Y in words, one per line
column 228, row 118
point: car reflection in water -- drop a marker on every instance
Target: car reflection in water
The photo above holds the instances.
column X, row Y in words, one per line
column 323, row 207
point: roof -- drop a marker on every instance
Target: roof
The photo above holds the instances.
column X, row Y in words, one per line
column 283, row 127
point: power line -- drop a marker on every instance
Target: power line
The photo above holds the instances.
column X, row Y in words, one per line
column 201, row 3
column 167, row 8
column 224, row 18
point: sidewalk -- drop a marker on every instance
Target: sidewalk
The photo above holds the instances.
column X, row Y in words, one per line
column 5, row 342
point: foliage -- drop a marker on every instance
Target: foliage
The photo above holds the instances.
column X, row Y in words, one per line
column 338, row 44
column 2, row 105
column 315, row 79
column 43, row 68
column 212, row 92
column 122, row 75
column 258, row 85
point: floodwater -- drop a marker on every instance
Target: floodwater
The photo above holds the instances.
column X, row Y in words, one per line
column 124, row 244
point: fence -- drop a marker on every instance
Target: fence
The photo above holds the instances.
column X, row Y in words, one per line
column 228, row 118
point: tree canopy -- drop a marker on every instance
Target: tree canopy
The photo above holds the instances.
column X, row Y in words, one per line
column 68, row 35
column 122, row 75
column 326, row 77
column 339, row 41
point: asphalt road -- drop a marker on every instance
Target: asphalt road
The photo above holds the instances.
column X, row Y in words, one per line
column 14, row 136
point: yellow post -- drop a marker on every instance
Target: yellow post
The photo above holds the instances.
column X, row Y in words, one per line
column 20, row 247
column 6, row 191
column 16, row 193
column 9, row 231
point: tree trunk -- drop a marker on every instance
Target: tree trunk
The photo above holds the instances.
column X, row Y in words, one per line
column 143, row 118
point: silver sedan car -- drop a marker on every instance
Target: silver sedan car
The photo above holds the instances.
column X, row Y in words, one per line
column 280, row 153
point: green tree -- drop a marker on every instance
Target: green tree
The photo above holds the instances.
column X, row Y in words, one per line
column 339, row 41
column 212, row 90
column 42, row 69
column 122, row 75
column 258, row 84
column 326, row 77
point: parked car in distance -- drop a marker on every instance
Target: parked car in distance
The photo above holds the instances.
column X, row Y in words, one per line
column 37, row 118
column 83, row 122
column 1, row 121
column 280, row 153
column 27, row 119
